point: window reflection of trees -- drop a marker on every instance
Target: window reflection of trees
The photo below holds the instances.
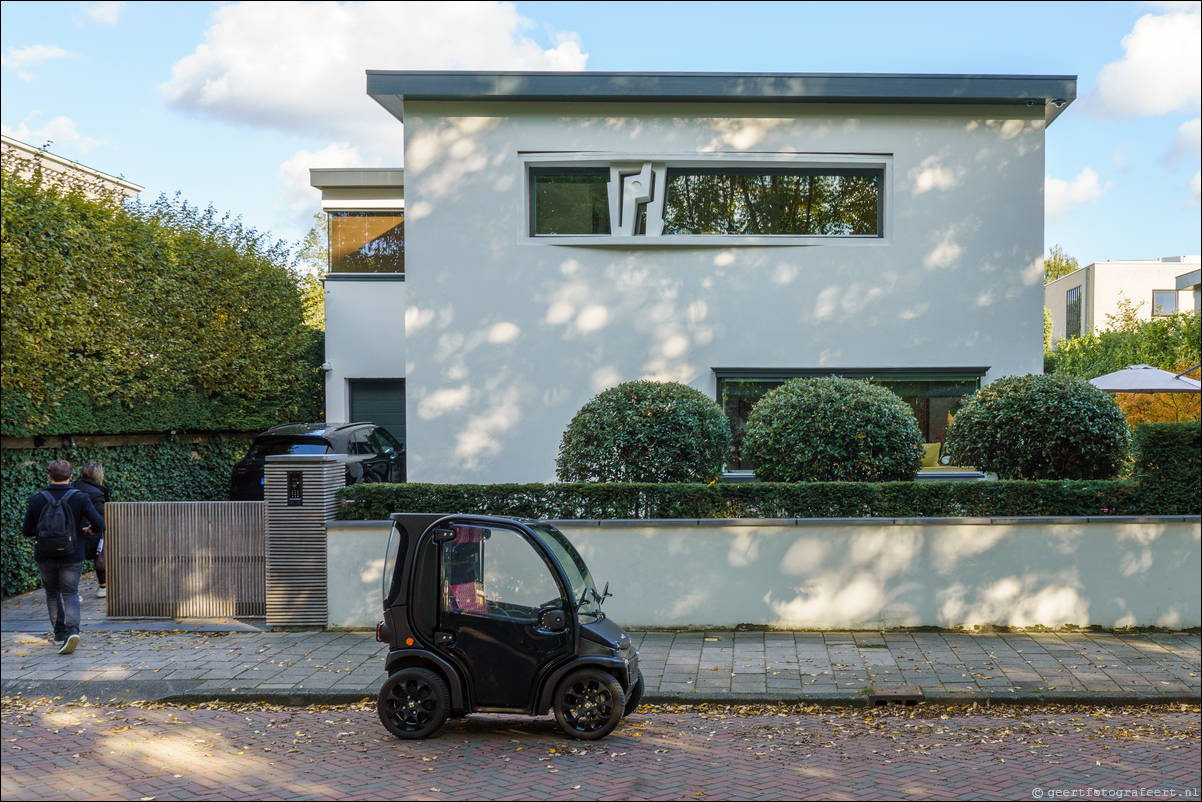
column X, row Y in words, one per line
column 367, row 242
column 763, row 202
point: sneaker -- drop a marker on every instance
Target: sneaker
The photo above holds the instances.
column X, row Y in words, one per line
column 59, row 640
column 100, row 594
column 69, row 646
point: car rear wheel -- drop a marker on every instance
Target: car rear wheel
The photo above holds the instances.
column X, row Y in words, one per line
column 588, row 704
column 414, row 703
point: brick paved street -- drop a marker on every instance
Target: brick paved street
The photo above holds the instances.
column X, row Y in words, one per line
column 164, row 752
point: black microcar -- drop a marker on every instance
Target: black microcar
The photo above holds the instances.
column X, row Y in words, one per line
column 498, row 615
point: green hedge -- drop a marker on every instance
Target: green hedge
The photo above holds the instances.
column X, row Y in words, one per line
column 160, row 472
column 1167, row 464
column 753, row 500
column 123, row 318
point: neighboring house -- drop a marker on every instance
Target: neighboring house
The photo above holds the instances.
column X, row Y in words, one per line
column 1081, row 301
column 570, row 231
column 56, row 169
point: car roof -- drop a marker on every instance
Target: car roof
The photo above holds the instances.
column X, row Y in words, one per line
column 309, row 429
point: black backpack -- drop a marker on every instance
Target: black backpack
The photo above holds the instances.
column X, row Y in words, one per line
column 57, row 536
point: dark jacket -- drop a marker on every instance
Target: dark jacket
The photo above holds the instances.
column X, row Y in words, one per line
column 81, row 507
column 98, row 494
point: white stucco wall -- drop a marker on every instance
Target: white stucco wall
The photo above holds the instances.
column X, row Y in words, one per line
column 840, row 575
column 365, row 337
column 508, row 337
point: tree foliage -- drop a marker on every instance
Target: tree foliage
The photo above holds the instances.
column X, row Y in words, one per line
column 645, row 431
column 124, row 311
column 1040, row 427
column 1172, row 343
column 1058, row 264
column 832, row 429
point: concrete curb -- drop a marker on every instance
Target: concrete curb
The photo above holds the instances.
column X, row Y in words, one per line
column 184, row 692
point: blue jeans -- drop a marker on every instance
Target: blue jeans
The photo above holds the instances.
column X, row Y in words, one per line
column 62, row 596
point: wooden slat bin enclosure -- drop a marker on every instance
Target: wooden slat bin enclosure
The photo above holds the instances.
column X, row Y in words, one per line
column 186, row 559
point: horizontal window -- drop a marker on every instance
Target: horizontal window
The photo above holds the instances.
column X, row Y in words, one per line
column 571, row 200
column 367, row 242
column 796, row 202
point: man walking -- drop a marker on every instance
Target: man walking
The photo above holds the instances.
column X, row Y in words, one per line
column 55, row 519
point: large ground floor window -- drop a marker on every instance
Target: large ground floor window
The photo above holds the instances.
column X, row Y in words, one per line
column 932, row 393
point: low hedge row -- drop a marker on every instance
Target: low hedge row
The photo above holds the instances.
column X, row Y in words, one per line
column 159, row 472
column 758, row 500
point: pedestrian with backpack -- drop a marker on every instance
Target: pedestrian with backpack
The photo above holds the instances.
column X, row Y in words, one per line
column 55, row 518
column 91, row 481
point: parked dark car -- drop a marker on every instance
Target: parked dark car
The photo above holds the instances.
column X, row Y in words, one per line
column 373, row 455
column 498, row 615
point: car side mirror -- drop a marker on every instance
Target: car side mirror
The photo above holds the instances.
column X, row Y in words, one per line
column 552, row 620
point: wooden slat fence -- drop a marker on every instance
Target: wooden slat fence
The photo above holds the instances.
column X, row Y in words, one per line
column 186, row 559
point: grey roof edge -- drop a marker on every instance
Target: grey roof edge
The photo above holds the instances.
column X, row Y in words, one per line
column 391, row 87
column 330, row 177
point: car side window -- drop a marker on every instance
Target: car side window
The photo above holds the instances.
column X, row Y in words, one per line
column 360, row 444
column 495, row 573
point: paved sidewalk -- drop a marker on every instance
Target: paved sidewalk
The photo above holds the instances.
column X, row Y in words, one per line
column 156, row 659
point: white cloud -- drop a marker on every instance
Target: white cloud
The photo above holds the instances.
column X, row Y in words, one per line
column 1188, row 142
column 1159, row 72
column 102, row 13
column 19, row 58
column 61, row 132
column 299, row 67
column 1060, row 196
column 301, row 199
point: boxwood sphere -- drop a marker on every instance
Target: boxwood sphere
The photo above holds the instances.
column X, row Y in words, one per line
column 832, row 430
column 645, row 431
column 1040, row 427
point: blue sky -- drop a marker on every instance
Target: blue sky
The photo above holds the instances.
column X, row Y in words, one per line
column 230, row 104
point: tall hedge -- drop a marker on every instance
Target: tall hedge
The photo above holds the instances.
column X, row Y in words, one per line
column 122, row 318
column 160, row 472
column 373, row 502
column 1168, row 465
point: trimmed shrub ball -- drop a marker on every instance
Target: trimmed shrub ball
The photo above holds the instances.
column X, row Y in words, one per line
column 832, row 430
column 1040, row 427
column 645, row 431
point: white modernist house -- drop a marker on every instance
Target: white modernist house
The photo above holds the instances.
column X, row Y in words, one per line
column 1081, row 301
column 56, row 170
column 565, row 232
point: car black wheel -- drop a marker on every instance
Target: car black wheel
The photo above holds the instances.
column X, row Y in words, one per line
column 635, row 696
column 588, row 704
column 414, row 703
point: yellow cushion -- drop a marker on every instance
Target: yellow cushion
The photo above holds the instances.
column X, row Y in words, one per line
column 931, row 458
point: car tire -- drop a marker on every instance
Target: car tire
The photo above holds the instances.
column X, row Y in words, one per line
column 588, row 704
column 414, row 703
column 635, row 695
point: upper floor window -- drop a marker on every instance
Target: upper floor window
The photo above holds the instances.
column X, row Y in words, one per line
column 1072, row 312
column 367, row 242
column 716, row 196
column 1164, row 302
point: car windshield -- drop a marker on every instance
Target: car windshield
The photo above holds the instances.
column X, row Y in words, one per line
column 292, row 445
column 573, row 565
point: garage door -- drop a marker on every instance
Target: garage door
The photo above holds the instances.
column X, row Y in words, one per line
column 380, row 401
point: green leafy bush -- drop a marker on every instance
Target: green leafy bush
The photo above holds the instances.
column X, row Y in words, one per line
column 832, row 430
column 159, row 472
column 141, row 318
column 1168, row 457
column 1040, row 427
column 374, row 502
column 645, row 431
column 1163, row 342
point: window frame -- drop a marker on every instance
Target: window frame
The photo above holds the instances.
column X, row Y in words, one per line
column 347, row 274
column 1069, row 299
column 1176, row 303
column 528, row 162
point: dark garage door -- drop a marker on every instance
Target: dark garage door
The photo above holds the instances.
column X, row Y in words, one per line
column 380, row 401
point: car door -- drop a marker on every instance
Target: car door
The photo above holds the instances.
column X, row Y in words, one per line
column 366, row 463
column 390, row 455
column 495, row 583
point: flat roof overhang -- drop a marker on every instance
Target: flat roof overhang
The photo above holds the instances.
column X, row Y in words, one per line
column 390, row 88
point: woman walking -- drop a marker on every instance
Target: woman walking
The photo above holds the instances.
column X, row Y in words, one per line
column 91, row 482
